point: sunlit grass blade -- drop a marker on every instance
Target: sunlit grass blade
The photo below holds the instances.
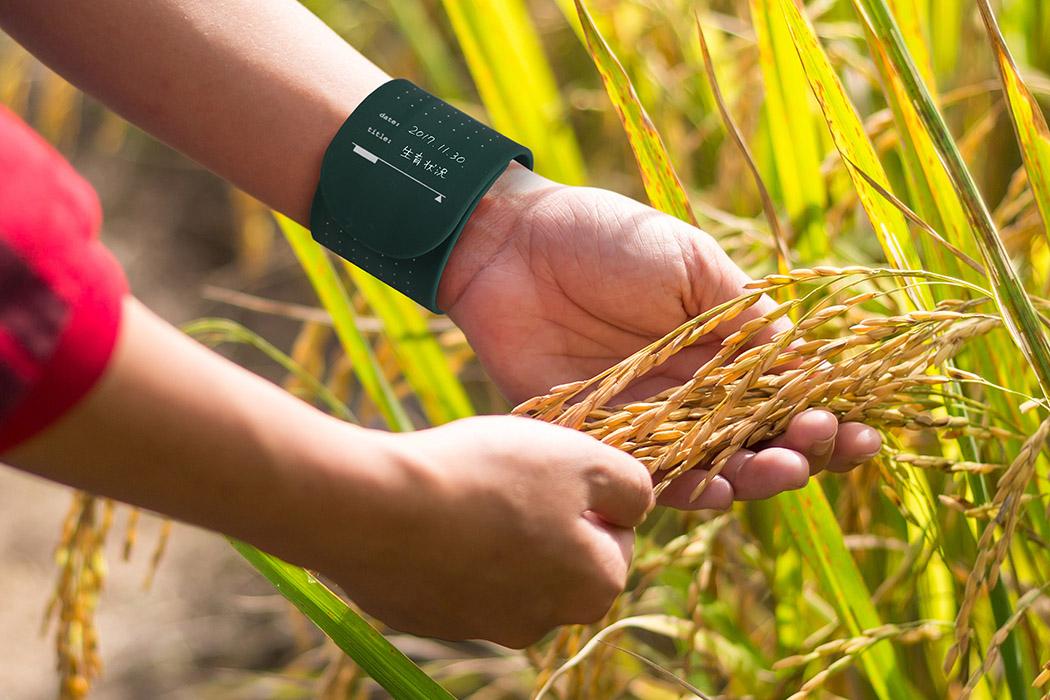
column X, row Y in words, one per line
column 783, row 256
column 665, row 190
column 419, row 356
column 945, row 31
column 852, row 142
column 1018, row 312
column 909, row 14
column 1027, row 118
column 819, row 539
column 214, row 331
column 793, row 130
column 426, row 38
column 380, row 659
column 514, row 79
column 333, row 296
column 930, row 187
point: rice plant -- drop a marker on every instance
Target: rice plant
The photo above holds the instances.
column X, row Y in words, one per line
column 904, row 154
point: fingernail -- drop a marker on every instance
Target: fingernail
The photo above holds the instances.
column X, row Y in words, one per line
column 822, row 447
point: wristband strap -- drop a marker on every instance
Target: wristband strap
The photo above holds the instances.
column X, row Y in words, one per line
column 399, row 181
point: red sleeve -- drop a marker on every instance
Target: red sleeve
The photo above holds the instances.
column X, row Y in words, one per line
column 60, row 289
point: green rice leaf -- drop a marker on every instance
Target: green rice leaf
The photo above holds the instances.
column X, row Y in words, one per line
column 1015, row 306
column 334, row 299
column 419, row 356
column 380, row 659
column 937, row 201
column 819, row 539
column 213, row 331
column 1017, row 310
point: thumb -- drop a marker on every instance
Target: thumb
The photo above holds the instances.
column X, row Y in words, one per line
column 621, row 489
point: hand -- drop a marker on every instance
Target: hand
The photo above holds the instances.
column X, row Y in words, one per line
column 494, row 527
column 553, row 284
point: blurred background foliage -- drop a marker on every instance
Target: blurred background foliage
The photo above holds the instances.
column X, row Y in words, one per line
column 737, row 605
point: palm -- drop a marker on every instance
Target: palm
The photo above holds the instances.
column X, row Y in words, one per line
column 584, row 279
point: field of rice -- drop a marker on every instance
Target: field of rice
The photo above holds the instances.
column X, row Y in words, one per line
column 882, row 170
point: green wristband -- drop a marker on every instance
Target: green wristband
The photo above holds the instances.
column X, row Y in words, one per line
column 399, row 181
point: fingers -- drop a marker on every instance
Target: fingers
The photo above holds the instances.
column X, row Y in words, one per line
column 812, row 434
column 826, row 444
column 606, row 561
column 747, row 476
column 763, row 474
column 856, row 444
column 813, row 441
column 621, row 490
column 717, row 495
column 616, row 544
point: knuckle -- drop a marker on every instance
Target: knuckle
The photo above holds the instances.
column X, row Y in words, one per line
column 599, row 474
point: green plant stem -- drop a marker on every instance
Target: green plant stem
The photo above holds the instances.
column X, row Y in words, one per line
column 1018, row 312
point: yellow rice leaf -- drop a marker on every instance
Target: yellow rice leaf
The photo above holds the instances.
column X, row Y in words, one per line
column 793, row 130
column 852, row 142
column 515, row 81
column 909, row 19
column 1027, row 118
column 665, row 190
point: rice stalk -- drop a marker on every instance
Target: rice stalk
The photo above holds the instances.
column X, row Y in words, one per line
column 81, row 577
column 1007, row 503
column 768, row 207
column 847, row 649
column 992, row 654
column 875, row 370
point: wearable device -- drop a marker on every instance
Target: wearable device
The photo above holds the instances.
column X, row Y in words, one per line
column 399, row 181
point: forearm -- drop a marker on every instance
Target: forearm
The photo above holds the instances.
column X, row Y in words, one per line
column 492, row 527
column 254, row 90
column 176, row 428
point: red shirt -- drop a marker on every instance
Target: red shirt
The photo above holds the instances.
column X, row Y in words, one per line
column 60, row 289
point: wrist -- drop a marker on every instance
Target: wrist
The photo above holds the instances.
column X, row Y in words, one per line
column 489, row 229
column 353, row 496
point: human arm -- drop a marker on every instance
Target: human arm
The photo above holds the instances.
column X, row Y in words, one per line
column 254, row 90
column 550, row 283
column 493, row 527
